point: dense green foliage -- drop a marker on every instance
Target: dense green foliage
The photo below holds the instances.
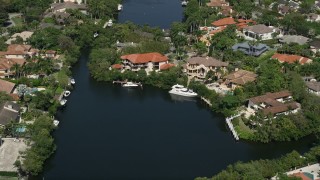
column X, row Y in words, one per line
column 265, row 169
column 42, row 145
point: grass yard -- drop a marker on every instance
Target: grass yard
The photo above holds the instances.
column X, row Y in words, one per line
column 18, row 21
column 243, row 131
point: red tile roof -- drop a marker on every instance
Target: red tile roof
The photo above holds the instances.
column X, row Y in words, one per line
column 240, row 23
column 117, row 66
column 145, row 58
column 166, row 66
column 6, row 86
column 50, row 52
column 6, row 64
column 217, row 3
column 2, row 53
column 224, row 22
column 15, row 97
column 220, row 29
column 291, row 58
column 18, row 49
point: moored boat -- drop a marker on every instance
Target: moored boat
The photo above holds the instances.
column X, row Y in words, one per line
column 56, row 123
column 72, row 81
column 131, row 84
column 182, row 91
column 110, row 23
column 66, row 93
column 63, row 102
column 120, row 7
column 184, row 3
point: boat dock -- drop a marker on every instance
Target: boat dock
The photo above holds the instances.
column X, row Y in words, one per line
column 231, row 127
column 118, row 82
column 206, row 101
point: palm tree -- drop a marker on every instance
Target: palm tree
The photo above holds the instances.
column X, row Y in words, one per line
column 16, row 68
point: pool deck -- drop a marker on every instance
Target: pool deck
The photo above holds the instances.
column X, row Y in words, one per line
column 9, row 153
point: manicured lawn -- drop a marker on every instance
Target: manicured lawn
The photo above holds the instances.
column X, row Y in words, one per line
column 243, row 131
column 18, row 21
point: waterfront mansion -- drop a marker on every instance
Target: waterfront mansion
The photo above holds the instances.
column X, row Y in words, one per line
column 274, row 103
column 147, row 61
column 198, row 67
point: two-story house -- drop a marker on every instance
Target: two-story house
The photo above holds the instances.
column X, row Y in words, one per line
column 258, row 32
column 239, row 78
column 147, row 61
column 9, row 111
column 274, row 103
column 6, row 65
column 198, row 67
column 250, row 49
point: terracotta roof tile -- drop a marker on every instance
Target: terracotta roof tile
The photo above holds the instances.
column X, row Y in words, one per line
column 6, row 86
column 145, row 58
column 117, row 66
column 51, row 52
column 291, row 58
column 241, row 77
column 224, row 22
column 166, row 66
column 18, row 49
column 6, row 64
column 208, row 62
column 217, row 3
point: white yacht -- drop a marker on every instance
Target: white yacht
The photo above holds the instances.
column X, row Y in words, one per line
column 184, row 3
column 63, row 102
column 56, row 123
column 110, row 23
column 120, row 7
column 72, row 81
column 66, row 93
column 131, row 84
column 182, row 91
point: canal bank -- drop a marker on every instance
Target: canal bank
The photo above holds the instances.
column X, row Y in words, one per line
column 109, row 132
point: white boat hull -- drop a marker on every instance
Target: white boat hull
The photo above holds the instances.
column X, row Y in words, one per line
column 130, row 86
column 177, row 92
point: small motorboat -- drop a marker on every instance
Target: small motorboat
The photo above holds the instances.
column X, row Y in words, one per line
column 56, row 123
column 63, row 102
column 110, row 23
column 131, row 84
column 184, row 3
column 72, row 81
column 66, row 93
column 120, row 7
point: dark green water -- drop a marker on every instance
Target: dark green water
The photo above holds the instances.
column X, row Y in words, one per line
column 108, row 132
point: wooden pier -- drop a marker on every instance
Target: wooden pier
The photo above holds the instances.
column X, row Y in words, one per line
column 231, row 127
column 118, row 82
column 206, row 101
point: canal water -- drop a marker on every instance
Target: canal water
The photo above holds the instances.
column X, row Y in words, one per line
column 109, row 132
column 156, row 13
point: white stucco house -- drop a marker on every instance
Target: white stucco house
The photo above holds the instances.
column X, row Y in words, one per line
column 258, row 31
